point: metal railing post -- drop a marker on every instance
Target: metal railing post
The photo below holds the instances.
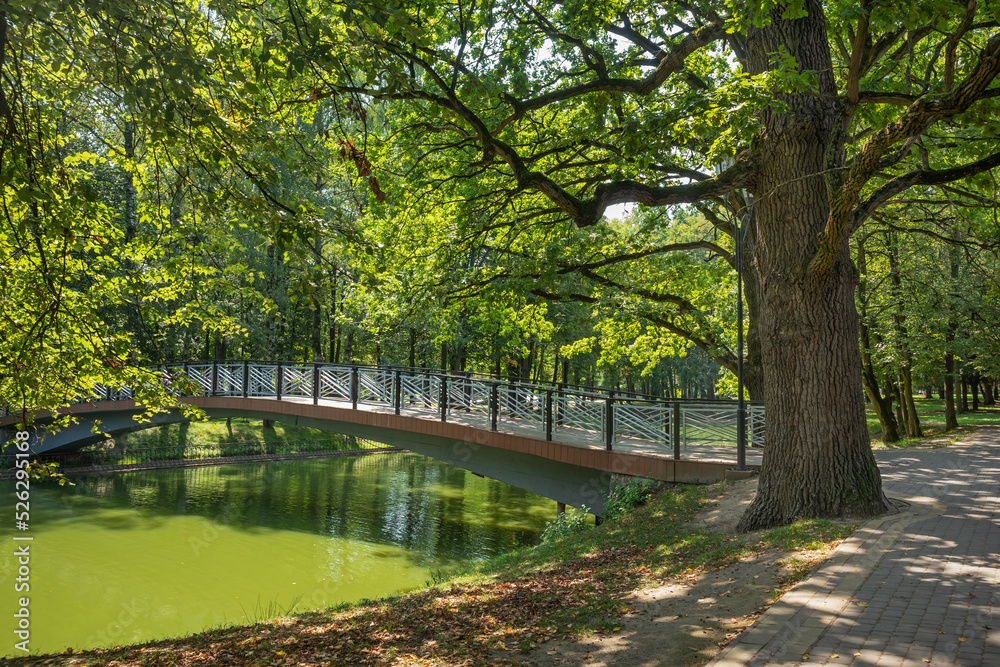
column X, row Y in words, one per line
column 548, row 414
column 677, row 430
column 443, row 400
column 468, row 392
column 215, row 378
column 354, row 387
column 665, row 422
column 397, row 391
column 562, row 404
column 609, row 420
column 494, row 405
column 246, row 378
column 315, row 384
column 278, row 381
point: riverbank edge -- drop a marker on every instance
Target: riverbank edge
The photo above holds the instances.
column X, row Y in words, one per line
column 494, row 616
column 85, row 471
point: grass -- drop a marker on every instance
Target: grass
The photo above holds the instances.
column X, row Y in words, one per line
column 571, row 585
column 806, row 534
column 210, row 439
column 219, row 431
column 931, row 414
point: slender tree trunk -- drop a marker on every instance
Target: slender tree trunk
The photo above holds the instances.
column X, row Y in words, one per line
column 349, row 348
column 317, row 315
column 974, row 390
column 411, row 358
column 334, row 329
column 219, row 352
column 965, row 396
column 911, row 421
column 817, row 462
column 988, row 400
column 881, row 406
column 950, row 417
column 131, row 229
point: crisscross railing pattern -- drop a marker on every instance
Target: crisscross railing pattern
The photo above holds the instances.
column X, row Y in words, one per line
column 335, row 383
column 708, row 424
column 755, row 420
column 649, row 422
column 580, row 411
column 297, row 381
column 263, row 380
column 469, row 395
column 420, row 389
column 521, row 402
column 483, row 401
column 375, row 385
column 200, row 374
column 229, row 380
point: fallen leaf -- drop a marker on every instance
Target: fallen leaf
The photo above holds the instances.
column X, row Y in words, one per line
column 862, row 604
column 961, row 639
column 834, row 655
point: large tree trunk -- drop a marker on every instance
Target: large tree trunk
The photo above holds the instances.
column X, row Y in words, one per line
column 818, row 460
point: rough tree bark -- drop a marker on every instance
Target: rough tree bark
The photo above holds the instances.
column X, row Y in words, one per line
column 809, row 325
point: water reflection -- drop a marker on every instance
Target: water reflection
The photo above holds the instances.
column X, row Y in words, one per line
column 192, row 547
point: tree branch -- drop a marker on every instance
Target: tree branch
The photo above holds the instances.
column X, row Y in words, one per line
column 919, row 177
column 917, row 118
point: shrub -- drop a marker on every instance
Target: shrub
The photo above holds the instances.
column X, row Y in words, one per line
column 623, row 498
column 571, row 521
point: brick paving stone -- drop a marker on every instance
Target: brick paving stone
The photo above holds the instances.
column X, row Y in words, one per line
column 931, row 592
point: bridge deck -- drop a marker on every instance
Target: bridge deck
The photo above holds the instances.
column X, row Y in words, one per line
column 574, row 437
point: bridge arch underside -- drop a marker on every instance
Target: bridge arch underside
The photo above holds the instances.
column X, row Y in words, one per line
column 577, row 476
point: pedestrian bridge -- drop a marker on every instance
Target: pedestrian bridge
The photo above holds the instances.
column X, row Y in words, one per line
column 560, row 441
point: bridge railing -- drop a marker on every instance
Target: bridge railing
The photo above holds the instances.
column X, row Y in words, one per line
column 592, row 415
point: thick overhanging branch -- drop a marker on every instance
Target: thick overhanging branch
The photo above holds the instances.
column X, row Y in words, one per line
column 918, row 117
column 670, row 62
column 918, row 177
column 639, row 254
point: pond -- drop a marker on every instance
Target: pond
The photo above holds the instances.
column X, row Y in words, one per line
column 140, row 556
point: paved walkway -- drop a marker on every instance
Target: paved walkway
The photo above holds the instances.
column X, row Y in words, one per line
column 911, row 589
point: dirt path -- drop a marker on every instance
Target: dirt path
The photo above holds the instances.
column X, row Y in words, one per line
column 686, row 621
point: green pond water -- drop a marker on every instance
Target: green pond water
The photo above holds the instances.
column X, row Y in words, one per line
column 141, row 556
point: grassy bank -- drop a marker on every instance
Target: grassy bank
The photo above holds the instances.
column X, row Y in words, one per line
column 931, row 414
column 202, row 441
column 217, row 432
column 576, row 582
